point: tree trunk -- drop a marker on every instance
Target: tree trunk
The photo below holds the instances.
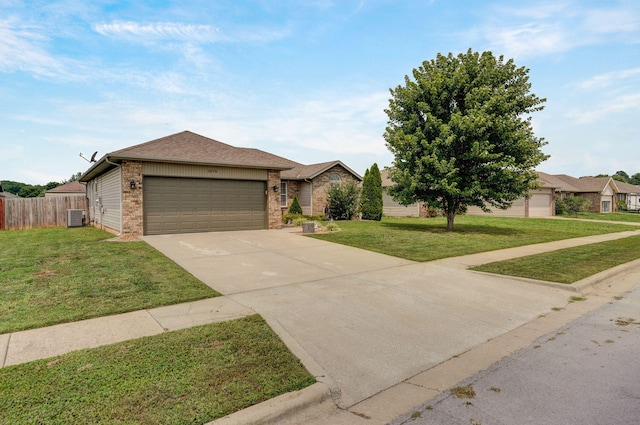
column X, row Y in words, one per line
column 451, row 215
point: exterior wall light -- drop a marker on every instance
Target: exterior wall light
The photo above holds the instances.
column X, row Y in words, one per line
column 275, row 188
column 132, row 183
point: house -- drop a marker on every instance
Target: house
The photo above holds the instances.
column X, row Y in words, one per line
column 539, row 203
column 310, row 184
column 601, row 191
column 391, row 208
column 629, row 195
column 186, row 182
column 68, row 189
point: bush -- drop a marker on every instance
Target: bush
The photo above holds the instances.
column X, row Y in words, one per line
column 331, row 227
column 572, row 205
column 343, row 200
column 295, row 207
column 371, row 196
column 301, row 218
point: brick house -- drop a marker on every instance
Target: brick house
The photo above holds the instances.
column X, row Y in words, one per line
column 186, row 182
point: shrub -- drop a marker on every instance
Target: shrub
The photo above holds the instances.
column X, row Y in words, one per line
column 572, row 205
column 371, row 196
column 295, row 207
column 331, row 227
column 301, row 218
column 343, row 200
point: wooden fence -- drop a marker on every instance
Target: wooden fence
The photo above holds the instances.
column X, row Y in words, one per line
column 30, row 213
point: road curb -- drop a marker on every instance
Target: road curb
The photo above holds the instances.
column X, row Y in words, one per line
column 281, row 408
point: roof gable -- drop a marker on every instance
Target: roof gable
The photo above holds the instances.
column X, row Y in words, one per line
column 71, row 187
column 303, row 172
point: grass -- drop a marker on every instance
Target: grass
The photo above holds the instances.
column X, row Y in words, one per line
column 420, row 239
column 50, row 276
column 628, row 217
column 190, row 376
column 571, row 264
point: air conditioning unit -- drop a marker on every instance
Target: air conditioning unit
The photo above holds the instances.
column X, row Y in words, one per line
column 75, row 218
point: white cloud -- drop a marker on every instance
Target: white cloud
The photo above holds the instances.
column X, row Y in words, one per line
column 610, row 78
column 548, row 28
column 194, row 33
column 21, row 50
column 618, row 104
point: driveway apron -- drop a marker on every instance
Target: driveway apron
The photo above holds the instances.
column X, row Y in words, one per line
column 361, row 321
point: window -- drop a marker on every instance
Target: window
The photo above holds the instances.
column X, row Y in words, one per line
column 606, row 206
column 283, row 194
column 334, row 179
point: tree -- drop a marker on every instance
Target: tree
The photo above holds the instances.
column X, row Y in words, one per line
column 458, row 134
column 343, row 200
column 295, row 207
column 621, row 176
column 371, row 195
column 635, row 179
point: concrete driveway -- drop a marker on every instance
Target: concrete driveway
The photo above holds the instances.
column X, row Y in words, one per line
column 360, row 321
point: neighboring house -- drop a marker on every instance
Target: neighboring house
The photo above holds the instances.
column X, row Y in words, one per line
column 186, row 182
column 629, row 194
column 601, row 191
column 311, row 182
column 391, row 208
column 67, row 189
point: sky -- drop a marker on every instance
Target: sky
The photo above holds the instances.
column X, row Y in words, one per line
column 307, row 80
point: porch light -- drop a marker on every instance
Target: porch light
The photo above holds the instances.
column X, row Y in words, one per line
column 132, row 183
column 275, row 188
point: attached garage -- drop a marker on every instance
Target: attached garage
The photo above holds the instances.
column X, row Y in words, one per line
column 184, row 205
column 541, row 203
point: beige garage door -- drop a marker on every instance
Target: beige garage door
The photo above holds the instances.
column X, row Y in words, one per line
column 186, row 205
column 540, row 205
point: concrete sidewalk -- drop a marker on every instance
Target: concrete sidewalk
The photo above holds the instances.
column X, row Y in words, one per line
column 25, row 346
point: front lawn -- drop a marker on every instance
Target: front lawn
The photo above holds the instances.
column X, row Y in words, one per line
column 628, row 217
column 426, row 239
column 50, row 276
column 571, row 264
column 190, row 376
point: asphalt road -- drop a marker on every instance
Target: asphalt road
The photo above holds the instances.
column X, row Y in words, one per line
column 587, row 372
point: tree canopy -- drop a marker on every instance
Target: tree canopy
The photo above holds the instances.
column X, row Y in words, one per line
column 461, row 134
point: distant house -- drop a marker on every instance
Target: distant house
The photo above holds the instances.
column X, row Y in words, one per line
column 186, row 182
column 67, row 189
column 629, row 194
column 6, row 195
column 391, row 208
column 601, row 191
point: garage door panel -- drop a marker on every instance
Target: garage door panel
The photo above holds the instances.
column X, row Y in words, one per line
column 183, row 205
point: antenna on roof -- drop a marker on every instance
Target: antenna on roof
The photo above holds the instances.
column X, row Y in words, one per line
column 93, row 157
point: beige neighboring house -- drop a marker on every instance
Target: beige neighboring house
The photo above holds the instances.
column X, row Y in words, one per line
column 186, row 182
column 539, row 203
column 629, row 194
column 68, row 189
column 391, row 208
column 601, row 191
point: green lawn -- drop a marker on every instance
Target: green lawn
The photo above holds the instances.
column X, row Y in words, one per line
column 426, row 239
column 58, row 275
column 629, row 217
column 190, row 376
column 571, row 264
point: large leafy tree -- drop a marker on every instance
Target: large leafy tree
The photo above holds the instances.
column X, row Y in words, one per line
column 461, row 134
column 371, row 196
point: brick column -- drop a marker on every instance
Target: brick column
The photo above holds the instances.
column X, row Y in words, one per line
column 131, row 200
column 274, row 211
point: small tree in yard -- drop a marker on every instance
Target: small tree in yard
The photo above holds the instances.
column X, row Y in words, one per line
column 458, row 134
column 371, row 196
column 295, row 207
column 343, row 200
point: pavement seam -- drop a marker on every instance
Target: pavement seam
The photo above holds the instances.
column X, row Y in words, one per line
column 6, row 351
column 148, row 311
